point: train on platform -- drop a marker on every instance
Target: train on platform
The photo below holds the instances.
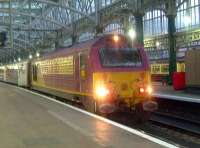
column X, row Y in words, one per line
column 105, row 74
column 160, row 71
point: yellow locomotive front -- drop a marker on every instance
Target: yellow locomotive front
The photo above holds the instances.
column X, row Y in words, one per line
column 121, row 78
column 125, row 87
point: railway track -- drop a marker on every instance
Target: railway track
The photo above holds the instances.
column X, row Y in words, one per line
column 161, row 118
column 178, row 122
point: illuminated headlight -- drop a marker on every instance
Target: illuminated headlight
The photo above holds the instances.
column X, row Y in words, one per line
column 141, row 90
column 101, row 92
column 149, row 90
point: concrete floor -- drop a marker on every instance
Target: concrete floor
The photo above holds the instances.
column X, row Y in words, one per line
column 168, row 92
column 31, row 121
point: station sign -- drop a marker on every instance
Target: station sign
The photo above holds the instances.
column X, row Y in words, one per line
column 151, row 42
column 183, row 39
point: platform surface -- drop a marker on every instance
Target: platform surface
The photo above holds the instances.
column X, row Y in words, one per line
column 167, row 92
column 31, row 121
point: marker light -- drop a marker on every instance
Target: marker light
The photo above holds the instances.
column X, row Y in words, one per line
column 37, row 54
column 149, row 89
column 30, row 56
column 157, row 44
column 141, row 90
column 132, row 34
column 101, row 92
column 116, row 38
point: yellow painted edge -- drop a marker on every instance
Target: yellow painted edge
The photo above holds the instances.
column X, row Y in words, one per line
column 65, row 91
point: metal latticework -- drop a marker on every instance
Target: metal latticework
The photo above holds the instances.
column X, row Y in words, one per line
column 43, row 25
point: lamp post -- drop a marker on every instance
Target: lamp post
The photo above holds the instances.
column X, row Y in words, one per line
column 37, row 54
column 30, row 56
column 157, row 44
column 132, row 35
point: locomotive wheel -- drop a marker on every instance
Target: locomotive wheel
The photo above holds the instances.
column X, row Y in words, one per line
column 93, row 106
column 98, row 110
column 141, row 116
column 90, row 104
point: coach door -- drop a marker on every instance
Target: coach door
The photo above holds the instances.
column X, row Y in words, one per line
column 82, row 71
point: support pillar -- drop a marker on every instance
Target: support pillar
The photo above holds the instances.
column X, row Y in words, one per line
column 74, row 39
column 139, row 29
column 10, row 24
column 172, row 46
column 56, row 44
column 99, row 29
column 126, row 25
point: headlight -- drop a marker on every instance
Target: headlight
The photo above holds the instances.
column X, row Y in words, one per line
column 149, row 90
column 101, row 92
column 141, row 90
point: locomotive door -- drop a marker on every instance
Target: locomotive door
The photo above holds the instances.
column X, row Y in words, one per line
column 82, row 71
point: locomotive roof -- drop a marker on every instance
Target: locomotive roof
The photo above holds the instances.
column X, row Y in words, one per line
column 77, row 47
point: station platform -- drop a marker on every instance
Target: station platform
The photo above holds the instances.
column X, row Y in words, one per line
column 167, row 92
column 30, row 120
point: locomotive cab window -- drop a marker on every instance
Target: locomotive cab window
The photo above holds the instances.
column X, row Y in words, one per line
column 120, row 57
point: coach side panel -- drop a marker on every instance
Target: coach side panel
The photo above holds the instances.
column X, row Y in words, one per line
column 11, row 74
column 59, row 76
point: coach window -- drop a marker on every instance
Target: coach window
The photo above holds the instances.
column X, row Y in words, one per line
column 34, row 72
column 82, row 65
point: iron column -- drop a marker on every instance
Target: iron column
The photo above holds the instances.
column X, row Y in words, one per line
column 139, row 29
column 172, row 46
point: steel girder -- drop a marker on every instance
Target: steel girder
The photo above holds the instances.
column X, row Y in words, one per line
column 65, row 18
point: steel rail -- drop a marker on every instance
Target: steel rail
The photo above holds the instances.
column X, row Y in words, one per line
column 186, row 124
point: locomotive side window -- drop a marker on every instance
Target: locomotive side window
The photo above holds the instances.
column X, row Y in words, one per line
column 120, row 57
column 82, row 58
